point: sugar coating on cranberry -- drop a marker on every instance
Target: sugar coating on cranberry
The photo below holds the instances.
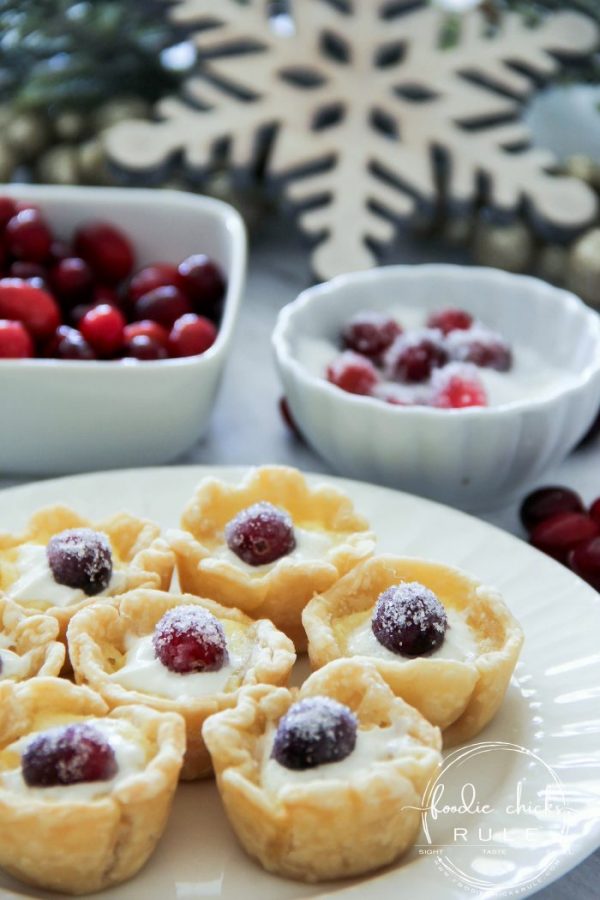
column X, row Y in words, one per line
column 261, row 534
column 313, row 732
column 409, row 619
column 353, row 373
column 414, row 355
column 480, row 346
column 70, row 755
column 80, row 558
column 370, row 333
column 190, row 639
column 457, row 386
column 450, row 319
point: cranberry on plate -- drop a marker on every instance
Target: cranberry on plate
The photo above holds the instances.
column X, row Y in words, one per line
column 548, row 501
column 190, row 639
column 261, row 534
column 409, row 619
column 69, row 755
column 82, row 559
column 313, row 732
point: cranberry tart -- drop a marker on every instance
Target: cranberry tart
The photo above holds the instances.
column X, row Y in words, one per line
column 269, row 544
column 325, row 782
column 63, row 562
column 84, row 796
column 29, row 645
column 177, row 653
column 444, row 642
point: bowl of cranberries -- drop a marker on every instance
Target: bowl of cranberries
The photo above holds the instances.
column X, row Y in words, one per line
column 463, row 384
column 117, row 308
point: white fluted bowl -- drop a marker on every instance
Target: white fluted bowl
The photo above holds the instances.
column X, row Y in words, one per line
column 474, row 458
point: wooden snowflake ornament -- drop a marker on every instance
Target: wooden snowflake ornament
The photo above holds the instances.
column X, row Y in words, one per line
column 360, row 115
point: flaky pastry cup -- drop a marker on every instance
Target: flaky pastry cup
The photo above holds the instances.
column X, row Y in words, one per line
column 33, row 638
column 77, row 846
column 97, row 637
column 331, row 827
column 137, row 548
column 280, row 591
column 459, row 696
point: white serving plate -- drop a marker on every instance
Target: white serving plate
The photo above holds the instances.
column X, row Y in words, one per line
column 552, row 707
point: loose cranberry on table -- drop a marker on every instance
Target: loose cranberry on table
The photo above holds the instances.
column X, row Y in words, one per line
column 447, row 320
column 103, row 328
column 31, row 305
column 545, row 502
column 370, row 333
column 15, row 342
column 106, row 249
column 585, row 561
column 563, row 532
column 353, row 373
column 191, row 335
column 28, row 236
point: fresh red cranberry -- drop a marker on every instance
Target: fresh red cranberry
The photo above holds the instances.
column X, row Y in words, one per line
column 546, row 502
column 260, row 534
column 203, row 282
column 286, row 415
column 412, row 357
column 147, row 328
column 80, row 558
column 68, row 755
column 72, row 280
column 28, row 236
column 481, row 347
column 353, row 373
column 190, row 639
column 314, row 732
column 409, row 619
column 457, row 387
column 106, row 249
column 143, row 347
column 151, row 277
column 103, row 328
column 163, row 305
column 69, row 343
column 15, row 342
column 27, row 270
column 451, row 319
column 370, row 333
column 7, row 210
column 102, row 293
column 563, row 532
column 191, row 335
column 31, row 305
column 60, row 250
column 595, row 511
column 585, row 561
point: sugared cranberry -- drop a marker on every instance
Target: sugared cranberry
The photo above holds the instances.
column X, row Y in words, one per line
column 72, row 280
column 370, row 333
column 191, row 335
column 15, row 342
column 144, row 348
column 72, row 755
column 106, row 249
column 7, row 210
column 163, row 305
column 147, row 328
column 203, row 282
column 190, row 639
column 69, row 343
column 412, row 357
column 80, row 558
column 286, row 415
column 546, row 502
column 353, row 373
column 563, row 532
column 151, row 277
column 585, row 561
column 595, row 511
column 314, row 732
column 481, row 347
column 28, row 236
column 447, row 320
column 409, row 619
column 457, row 386
column 103, row 328
column 31, row 305
column 261, row 534
column 27, row 270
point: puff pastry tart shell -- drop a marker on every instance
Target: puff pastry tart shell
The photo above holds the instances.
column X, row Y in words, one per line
column 139, row 554
column 324, row 827
column 81, row 846
column 459, row 695
column 98, row 638
column 280, row 590
column 31, row 641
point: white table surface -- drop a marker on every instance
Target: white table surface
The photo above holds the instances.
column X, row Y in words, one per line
column 246, row 427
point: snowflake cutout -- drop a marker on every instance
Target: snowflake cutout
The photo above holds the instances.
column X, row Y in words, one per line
column 361, row 117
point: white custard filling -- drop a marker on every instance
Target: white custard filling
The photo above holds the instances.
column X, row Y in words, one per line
column 309, row 545
column 143, row 672
column 36, row 585
column 459, row 642
column 129, row 754
column 12, row 665
column 373, row 745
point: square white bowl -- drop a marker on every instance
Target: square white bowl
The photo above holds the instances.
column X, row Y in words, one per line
column 69, row 416
column 474, row 458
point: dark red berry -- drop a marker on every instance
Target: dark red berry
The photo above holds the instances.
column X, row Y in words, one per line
column 106, row 249
column 69, row 343
column 353, row 373
column 314, row 732
column 81, row 558
column 447, row 320
column 59, row 250
column 595, row 511
column 102, row 293
column 261, row 534
column 409, row 619
column 147, row 328
column 72, row 755
column 457, row 387
column 481, row 347
column 286, row 415
column 72, row 280
column 15, row 342
column 203, row 282
column 7, row 210
column 27, row 270
column 546, row 502
column 585, row 561
column 190, row 639
column 563, row 532
column 163, row 305
column 370, row 333
column 144, row 348
column 28, row 236
column 31, row 305
column 151, row 277
column 103, row 328
column 191, row 335
column 412, row 357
